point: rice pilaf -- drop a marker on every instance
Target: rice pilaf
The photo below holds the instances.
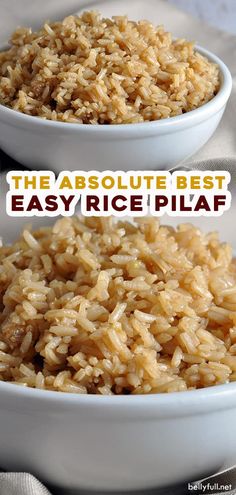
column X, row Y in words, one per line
column 92, row 70
column 97, row 305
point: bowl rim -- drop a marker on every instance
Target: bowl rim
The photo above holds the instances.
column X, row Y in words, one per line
column 169, row 405
column 201, row 113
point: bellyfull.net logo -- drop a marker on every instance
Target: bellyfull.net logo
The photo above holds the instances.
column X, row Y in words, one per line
column 208, row 488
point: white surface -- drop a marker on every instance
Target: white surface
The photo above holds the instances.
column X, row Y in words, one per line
column 39, row 143
column 219, row 13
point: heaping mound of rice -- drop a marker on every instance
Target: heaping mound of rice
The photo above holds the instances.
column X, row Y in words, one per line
column 96, row 305
column 104, row 71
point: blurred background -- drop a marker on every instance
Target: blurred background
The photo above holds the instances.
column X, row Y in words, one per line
column 218, row 13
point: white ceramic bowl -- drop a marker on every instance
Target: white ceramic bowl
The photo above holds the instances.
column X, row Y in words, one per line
column 122, row 442
column 40, row 143
column 117, row 442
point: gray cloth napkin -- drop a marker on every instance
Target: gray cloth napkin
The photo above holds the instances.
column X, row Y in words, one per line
column 26, row 12
column 21, row 484
column 27, row 484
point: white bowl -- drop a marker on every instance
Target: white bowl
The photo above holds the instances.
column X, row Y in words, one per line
column 39, row 143
column 117, row 442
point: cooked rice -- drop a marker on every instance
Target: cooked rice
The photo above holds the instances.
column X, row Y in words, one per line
column 87, row 307
column 104, row 71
